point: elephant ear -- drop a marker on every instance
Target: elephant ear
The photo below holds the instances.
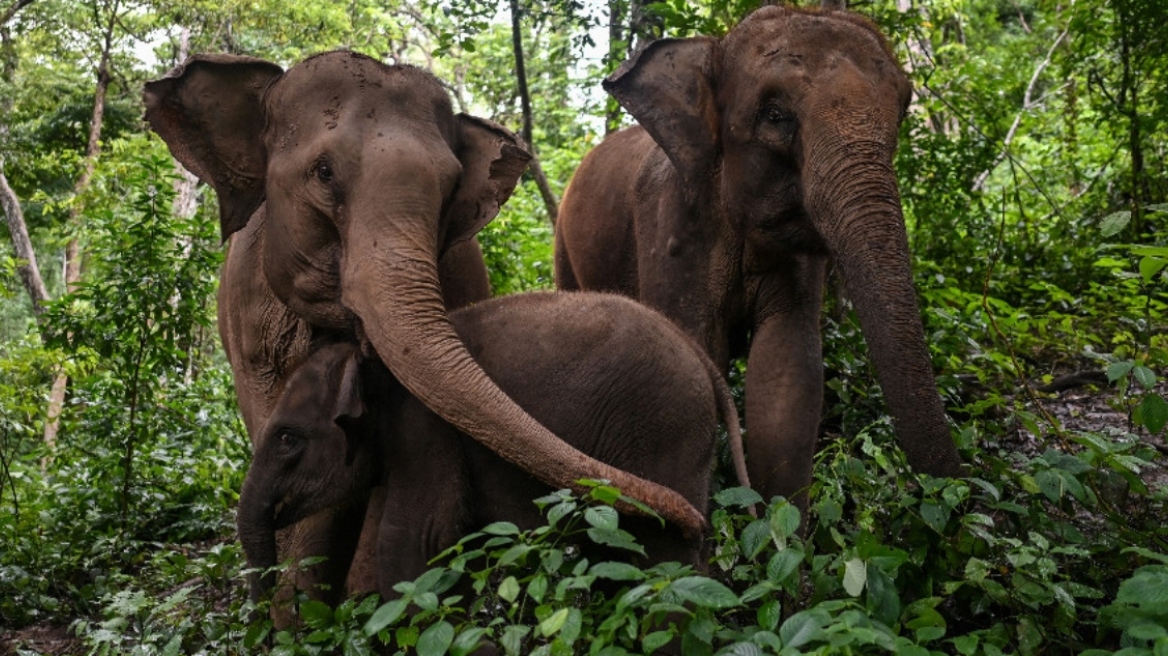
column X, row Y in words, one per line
column 668, row 87
column 349, row 404
column 209, row 111
column 492, row 160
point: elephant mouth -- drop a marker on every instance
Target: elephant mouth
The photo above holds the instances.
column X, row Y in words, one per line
column 284, row 516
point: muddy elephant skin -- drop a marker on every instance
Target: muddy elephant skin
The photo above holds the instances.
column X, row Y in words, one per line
column 759, row 158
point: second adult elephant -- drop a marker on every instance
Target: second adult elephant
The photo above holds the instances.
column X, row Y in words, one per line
column 613, row 378
column 758, row 157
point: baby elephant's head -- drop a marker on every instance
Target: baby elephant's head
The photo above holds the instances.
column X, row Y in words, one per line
column 315, row 452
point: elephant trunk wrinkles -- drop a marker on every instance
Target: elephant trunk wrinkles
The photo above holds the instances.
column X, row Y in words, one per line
column 255, row 521
column 392, row 285
column 864, row 227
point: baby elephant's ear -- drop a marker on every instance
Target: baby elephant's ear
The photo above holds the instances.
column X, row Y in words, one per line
column 349, row 402
column 209, row 111
column 492, row 160
column 349, row 409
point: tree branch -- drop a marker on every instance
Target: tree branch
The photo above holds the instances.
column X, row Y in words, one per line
column 1027, row 104
column 15, row 7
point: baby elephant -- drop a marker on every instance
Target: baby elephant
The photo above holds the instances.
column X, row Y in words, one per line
column 613, row 378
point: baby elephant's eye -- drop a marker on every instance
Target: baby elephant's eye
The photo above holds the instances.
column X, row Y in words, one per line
column 324, row 172
column 286, row 440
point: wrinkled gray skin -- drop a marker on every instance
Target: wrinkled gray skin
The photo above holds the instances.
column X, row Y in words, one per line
column 341, row 183
column 616, row 380
column 759, row 157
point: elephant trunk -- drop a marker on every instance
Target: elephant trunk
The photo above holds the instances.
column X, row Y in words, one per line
column 255, row 521
column 391, row 284
column 856, row 197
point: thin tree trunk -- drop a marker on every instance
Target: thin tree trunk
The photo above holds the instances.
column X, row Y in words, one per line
column 30, row 273
column 541, row 181
column 644, row 27
column 73, row 248
column 616, row 39
column 187, row 183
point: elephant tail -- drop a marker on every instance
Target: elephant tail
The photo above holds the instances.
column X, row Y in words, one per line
column 729, row 415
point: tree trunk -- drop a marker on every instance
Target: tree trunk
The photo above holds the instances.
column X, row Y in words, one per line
column 30, row 273
column 545, row 191
column 10, row 12
column 73, row 248
column 617, row 49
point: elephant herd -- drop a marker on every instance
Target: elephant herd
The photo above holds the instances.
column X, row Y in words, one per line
column 393, row 406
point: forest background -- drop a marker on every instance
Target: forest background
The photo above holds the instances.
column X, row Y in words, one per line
column 1032, row 168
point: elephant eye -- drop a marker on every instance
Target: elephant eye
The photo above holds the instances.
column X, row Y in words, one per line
column 324, row 172
column 287, row 440
column 773, row 114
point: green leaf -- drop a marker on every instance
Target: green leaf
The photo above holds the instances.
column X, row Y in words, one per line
column 256, row 634
column 1117, row 370
column 1050, row 483
column 737, row 497
column 704, row 592
column 883, row 599
column 1153, row 413
column 803, row 627
column 1144, row 376
column 1148, row 588
column 435, row 640
column 855, row 575
column 467, row 641
column 512, row 639
column 656, row 640
column 501, row 528
column 741, row 649
column 1150, row 266
column 1114, row 223
column 785, row 520
column 966, row 645
column 554, row 622
column 935, row 515
column 316, row 614
column 615, row 571
column 769, row 614
column 782, row 564
column 618, row 538
column 755, row 537
column 602, row 517
column 509, row 589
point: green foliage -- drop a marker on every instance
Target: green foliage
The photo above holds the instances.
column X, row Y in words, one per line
column 149, row 448
column 1031, row 174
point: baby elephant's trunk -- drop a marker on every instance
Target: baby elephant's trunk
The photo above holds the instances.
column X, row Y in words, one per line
column 255, row 522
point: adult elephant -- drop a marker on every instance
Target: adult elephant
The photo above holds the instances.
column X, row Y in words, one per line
column 758, row 157
column 343, row 181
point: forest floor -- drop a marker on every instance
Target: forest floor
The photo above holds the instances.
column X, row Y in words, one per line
column 1086, row 409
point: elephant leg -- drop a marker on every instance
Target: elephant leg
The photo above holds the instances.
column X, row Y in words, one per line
column 784, row 392
column 363, row 572
column 425, row 497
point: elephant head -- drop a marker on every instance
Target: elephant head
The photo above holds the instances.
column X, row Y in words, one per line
column 364, row 175
column 317, row 451
column 786, row 129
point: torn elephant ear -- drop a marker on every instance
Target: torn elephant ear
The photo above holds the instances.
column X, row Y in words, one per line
column 668, row 87
column 209, row 111
column 492, row 159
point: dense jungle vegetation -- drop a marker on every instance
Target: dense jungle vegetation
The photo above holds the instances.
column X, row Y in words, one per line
column 1033, row 173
